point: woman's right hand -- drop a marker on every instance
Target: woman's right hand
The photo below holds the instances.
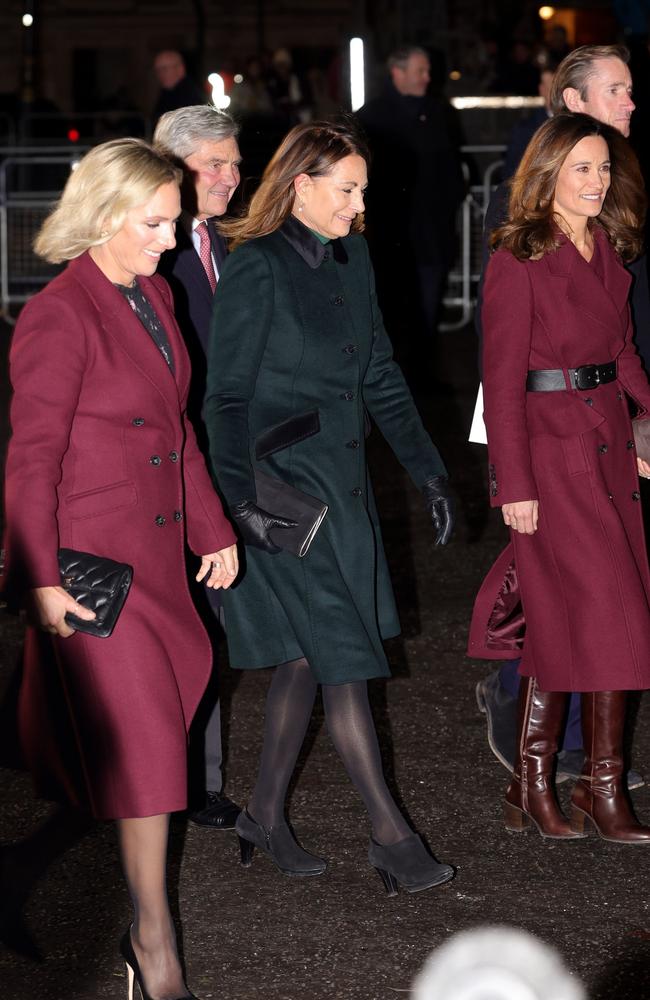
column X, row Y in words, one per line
column 48, row 607
column 521, row 516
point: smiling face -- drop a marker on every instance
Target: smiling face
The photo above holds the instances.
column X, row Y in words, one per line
column 608, row 94
column 215, row 172
column 331, row 203
column 583, row 182
column 147, row 231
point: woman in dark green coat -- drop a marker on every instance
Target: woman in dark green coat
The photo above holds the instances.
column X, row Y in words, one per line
column 298, row 355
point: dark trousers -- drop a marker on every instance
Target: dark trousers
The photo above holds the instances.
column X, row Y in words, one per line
column 509, row 679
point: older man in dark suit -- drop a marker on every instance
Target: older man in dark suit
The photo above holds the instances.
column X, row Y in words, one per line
column 205, row 140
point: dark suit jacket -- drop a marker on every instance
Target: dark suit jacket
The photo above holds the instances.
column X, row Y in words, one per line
column 193, row 300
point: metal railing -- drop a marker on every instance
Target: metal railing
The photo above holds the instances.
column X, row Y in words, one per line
column 31, row 179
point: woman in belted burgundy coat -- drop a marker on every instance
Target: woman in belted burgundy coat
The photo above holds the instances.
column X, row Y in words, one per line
column 564, row 470
column 103, row 460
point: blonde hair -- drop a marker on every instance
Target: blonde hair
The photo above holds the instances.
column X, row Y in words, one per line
column 532, row 228
column 109, row 181
column 313, row 149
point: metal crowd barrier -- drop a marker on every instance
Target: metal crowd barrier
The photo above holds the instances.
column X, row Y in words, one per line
column 31, row 179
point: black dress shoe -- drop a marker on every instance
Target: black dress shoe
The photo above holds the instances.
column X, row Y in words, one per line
column 500, row 710
column 219, row 812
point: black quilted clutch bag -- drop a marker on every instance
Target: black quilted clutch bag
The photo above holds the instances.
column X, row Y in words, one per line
column 100, row 584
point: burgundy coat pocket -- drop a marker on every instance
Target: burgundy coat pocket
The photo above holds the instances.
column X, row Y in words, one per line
column 103, row 500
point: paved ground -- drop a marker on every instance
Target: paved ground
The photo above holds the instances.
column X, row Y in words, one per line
column 256, row 934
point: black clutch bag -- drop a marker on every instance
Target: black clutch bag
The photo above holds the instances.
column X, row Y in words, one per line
column 283, row 500
column 100, row 584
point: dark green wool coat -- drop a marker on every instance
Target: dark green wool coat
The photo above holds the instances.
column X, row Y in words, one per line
column 296, row 328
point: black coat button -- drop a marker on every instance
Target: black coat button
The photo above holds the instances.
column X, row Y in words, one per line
column 347, row 395
column 326, row 255
column 636, row 495
column 630, row 444
column 137, row 421
column 356, row 492
column 352, row 444
column 155, row 459
column 349, row 348
column 178, row 516
column 589, row 401
column 160, row 520
column 338, row 300
column 173, row 456
column 602, row 448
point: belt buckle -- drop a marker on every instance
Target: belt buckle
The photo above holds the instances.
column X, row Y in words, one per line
column 587, row 377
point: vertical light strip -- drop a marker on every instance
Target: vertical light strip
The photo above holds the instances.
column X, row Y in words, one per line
column 357, row 79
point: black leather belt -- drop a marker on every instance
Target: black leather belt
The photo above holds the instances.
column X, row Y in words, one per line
column 585, row 377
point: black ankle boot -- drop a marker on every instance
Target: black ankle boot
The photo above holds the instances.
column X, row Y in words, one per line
column 280, row 845
column 409, row 864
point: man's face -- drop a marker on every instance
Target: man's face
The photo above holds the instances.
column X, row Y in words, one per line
column 609, row 94
column 215, row 172
column 414, row 78
column 169, row 68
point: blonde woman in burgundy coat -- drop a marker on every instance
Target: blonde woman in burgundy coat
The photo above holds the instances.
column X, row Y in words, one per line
column 102, row 459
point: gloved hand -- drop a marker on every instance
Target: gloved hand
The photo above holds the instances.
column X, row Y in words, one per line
column 440, row 504
column 254, row 525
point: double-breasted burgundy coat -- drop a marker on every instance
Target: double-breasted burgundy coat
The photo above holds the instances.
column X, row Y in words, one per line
column 579, row 588
column 103, row 459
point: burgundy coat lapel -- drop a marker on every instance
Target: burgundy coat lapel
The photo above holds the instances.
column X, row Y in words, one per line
column 119, row 322
column 602, row 299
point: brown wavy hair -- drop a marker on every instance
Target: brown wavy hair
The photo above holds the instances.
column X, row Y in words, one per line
column 533, row 228
column 313, row 148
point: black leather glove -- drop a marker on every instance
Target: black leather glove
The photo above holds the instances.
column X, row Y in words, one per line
column 254, row 525
column 440, row 504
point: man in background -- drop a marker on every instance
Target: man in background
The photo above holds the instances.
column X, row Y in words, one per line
column 416, row 186
column 204, row 141
column 177, row 90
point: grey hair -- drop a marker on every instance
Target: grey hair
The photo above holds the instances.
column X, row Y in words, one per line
column 400, row 57
column 179, row 133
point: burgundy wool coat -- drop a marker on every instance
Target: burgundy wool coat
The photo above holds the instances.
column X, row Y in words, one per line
column 573, row 600
column 103, row 459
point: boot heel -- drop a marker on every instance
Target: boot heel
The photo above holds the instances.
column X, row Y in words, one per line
column 246, row 851
column 389, row 880
column 580, row 823
column 516, row 821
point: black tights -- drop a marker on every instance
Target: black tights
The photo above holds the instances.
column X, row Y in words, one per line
column 349, row 720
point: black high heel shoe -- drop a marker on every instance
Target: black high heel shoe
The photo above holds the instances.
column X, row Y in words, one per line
column 279, row 844
column 133, row 969
column 409, row 864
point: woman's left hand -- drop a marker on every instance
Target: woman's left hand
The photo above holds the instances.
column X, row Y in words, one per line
column 643, row 467
column 222, row 567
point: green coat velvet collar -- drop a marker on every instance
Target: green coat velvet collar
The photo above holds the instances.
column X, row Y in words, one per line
column 308, row 246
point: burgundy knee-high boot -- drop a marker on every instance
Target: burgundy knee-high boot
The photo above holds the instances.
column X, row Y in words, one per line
column 599, row 795
column 530, row 795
